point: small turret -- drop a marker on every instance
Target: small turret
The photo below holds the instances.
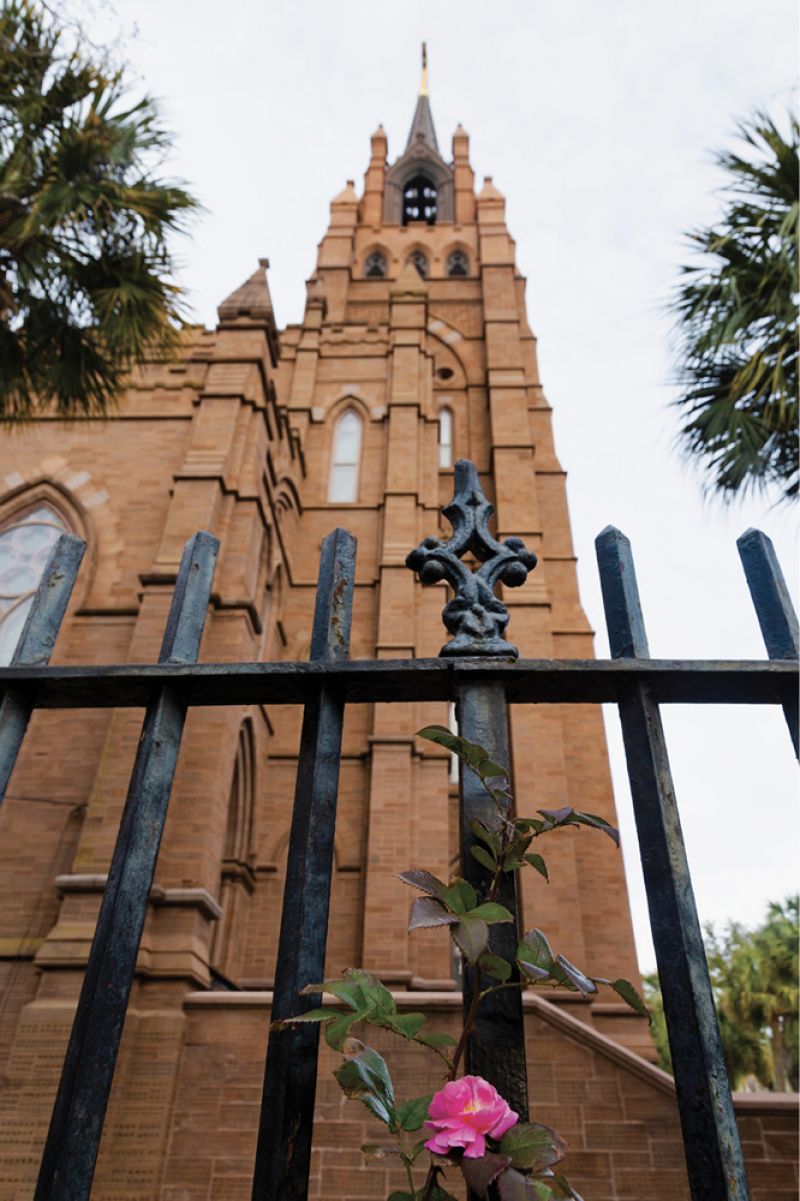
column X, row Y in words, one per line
column 372, row 200
column 464, row 177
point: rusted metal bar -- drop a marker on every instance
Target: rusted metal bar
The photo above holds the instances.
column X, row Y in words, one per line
column 711, row 1139
column 496, row 1050
column 774, row 610
column 36, row 644
column 76, row 1125
column 283, row 1154
column 528, row 681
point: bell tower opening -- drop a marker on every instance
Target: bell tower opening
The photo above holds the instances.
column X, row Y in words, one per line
column 420, row 196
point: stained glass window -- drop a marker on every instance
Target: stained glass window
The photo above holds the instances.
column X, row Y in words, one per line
column 24, row 546
column 375, row 265
column 420, row 261
column 457, row 263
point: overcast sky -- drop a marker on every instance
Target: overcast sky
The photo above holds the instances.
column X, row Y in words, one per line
column 597, row 121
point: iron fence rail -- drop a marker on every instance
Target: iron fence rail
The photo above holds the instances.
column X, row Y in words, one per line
column 482, row 688
column 527, row 681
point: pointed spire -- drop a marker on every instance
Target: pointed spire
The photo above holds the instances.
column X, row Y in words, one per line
column 422, row 129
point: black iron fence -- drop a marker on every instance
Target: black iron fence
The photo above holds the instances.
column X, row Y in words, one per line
column 479, row 671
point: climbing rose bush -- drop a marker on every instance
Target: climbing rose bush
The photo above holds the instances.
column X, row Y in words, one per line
column 475, row 1131
column 463, row 1113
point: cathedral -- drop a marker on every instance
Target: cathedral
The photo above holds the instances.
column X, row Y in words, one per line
column 414, row 350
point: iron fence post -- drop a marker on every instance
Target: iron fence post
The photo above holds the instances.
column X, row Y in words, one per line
column 774, row 609
column 283, row 1151
column 496, row 1050
column 36, row 644
column 76, row 1126
column 711, row 1139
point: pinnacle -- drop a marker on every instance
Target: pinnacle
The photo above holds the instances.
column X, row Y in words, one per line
column 251, row 299
column 409, row 282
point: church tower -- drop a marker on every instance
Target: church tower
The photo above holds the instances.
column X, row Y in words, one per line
column 414, row 351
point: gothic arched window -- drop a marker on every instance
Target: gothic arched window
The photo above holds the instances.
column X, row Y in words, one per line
column 375, row 265
column 25, row 544
column 457, row 263
column 419, row 200
column 420, row 261
column 343, row 483
column 237, row 878
column 445, row 437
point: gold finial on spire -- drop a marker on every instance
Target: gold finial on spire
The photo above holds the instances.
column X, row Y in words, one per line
column 423, row 87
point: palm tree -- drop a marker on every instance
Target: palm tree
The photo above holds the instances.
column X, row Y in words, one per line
column 85, row 266
column 755, row 979
column 737, row 322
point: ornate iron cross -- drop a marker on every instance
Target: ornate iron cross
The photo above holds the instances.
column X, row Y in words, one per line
column 475, row 615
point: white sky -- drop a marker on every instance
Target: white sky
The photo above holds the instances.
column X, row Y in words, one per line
column 597, row 122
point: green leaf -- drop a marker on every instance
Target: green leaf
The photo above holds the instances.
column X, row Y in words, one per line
column 427, row 883
column 566, row 1189
column 365, row 1077
column 625, row 989
column 375, row 994
column 529, row 823
column 427, row 912
column 496, row 966
column 492, row 913
column 436, row 1039
column 513, row 1186
column 469, row 752
column 487, row 836
column 411, row 1114
column 567, row 816
column 471, row 936
column 534, row 951
column 480, row 1173
column 337, row 1031
column 312, row 1015
column 461, row 897
column 408, row 1024
column 537, row 862
column 401, row 1197
column 483, row 857
column 597, row 823
column 532, row 1145
column 348, row 991
column 557, row 817
column 572, row 977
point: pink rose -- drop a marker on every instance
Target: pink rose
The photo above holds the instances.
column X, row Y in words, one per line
column 463, row 1113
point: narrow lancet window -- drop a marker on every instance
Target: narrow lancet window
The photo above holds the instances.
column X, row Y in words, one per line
column 343, row 485
column 25, row 544
column 445, row 438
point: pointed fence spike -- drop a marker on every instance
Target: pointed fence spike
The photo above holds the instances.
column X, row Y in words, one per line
column 774, row 609
column 36, row 644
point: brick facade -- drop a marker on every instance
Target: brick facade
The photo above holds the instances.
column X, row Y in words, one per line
column 236, row 436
